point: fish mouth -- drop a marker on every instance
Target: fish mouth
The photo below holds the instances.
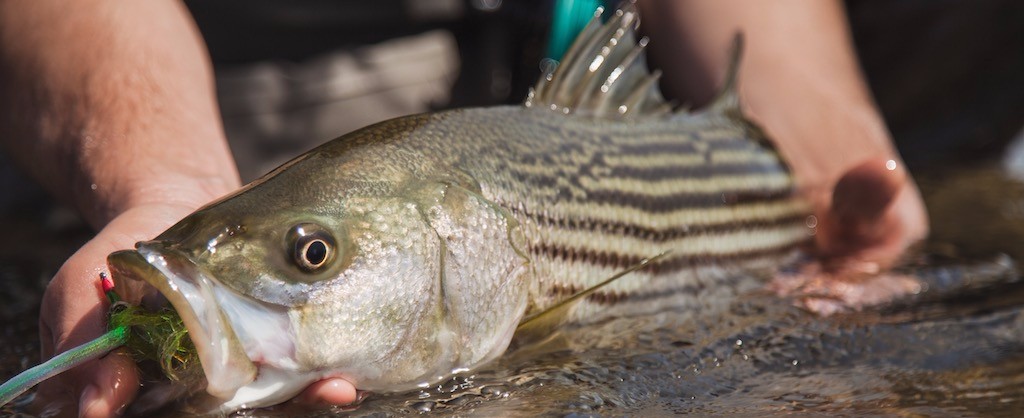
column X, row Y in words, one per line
column 229, row 330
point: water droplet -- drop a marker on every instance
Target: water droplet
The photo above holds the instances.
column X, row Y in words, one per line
column 487, row 5
column 426, row 406
column 494, row 390
column 548, row 66
column 811, row 221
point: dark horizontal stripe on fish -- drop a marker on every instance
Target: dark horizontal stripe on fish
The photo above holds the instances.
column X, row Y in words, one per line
column 612, row 297
column 670, row 265
column 731, row 144
column 685, row 200
column 616, row 228
column 700, row 171
column 570, row 190
column 682, row 146
column 676, row 143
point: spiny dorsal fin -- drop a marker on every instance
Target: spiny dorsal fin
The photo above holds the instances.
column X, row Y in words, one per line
column 540, row 325
column 603, row 74
column 728, row 100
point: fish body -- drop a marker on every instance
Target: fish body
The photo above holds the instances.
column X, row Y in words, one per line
column 413, row 248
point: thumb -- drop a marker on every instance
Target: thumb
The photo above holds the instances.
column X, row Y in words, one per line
column 873, row 216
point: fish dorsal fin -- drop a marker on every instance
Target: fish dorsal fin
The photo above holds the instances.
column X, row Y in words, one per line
column 538, row 326
column 728, row 100
column 604, row 73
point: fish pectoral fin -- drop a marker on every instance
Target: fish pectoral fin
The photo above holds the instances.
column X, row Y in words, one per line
column 541, row 325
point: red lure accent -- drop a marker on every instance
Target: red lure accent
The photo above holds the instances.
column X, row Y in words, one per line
column 107, row 284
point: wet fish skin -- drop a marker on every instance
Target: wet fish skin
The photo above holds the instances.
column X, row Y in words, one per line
column 444, row 230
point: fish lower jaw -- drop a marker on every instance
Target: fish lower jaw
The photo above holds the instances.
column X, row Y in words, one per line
column 243, row 344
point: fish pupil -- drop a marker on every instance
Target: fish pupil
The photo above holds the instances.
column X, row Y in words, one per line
column 316, row 253
column 311, row 247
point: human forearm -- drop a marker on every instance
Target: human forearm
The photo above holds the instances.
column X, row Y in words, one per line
column 110, row 104
column 799, row 77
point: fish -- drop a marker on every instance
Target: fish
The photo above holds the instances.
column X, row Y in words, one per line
column 415, row 248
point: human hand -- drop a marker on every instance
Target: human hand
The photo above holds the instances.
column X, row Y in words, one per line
column 864, row 222
column 873, row 214
column 74, row 312
column 867, row 209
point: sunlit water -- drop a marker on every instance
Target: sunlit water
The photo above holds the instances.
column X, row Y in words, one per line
column 957, row 349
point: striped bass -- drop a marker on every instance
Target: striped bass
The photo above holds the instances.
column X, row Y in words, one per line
column 414, row 248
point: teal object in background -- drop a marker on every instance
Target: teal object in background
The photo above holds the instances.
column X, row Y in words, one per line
column 568, row 19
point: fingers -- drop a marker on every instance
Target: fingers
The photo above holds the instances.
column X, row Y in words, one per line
column 333, row 391
column 829, row 292
column 74, row 312
column 114, row 383
column 874, row 215
column 863, row 194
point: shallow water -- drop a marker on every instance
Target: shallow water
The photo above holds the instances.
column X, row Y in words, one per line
column 956, row 349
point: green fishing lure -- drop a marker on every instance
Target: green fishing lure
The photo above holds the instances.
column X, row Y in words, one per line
column 159, row 337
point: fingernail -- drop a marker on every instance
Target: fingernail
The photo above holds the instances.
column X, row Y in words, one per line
column 89, row 398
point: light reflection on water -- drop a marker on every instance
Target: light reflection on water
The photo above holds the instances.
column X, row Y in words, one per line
column 957, row 349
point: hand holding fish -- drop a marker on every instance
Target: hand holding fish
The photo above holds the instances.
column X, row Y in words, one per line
column 74, row 311
column 801, row 82
column 137, row 147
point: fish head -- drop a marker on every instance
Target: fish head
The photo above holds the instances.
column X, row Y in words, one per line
column 235, row 275
column 388, row 287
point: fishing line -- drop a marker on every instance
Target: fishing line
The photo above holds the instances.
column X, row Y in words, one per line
column 91, row 350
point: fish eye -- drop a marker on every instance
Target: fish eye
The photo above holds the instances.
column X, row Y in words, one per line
column 312, row 247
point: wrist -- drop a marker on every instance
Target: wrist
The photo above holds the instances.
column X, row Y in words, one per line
column 179, row 192
column 821, row 130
